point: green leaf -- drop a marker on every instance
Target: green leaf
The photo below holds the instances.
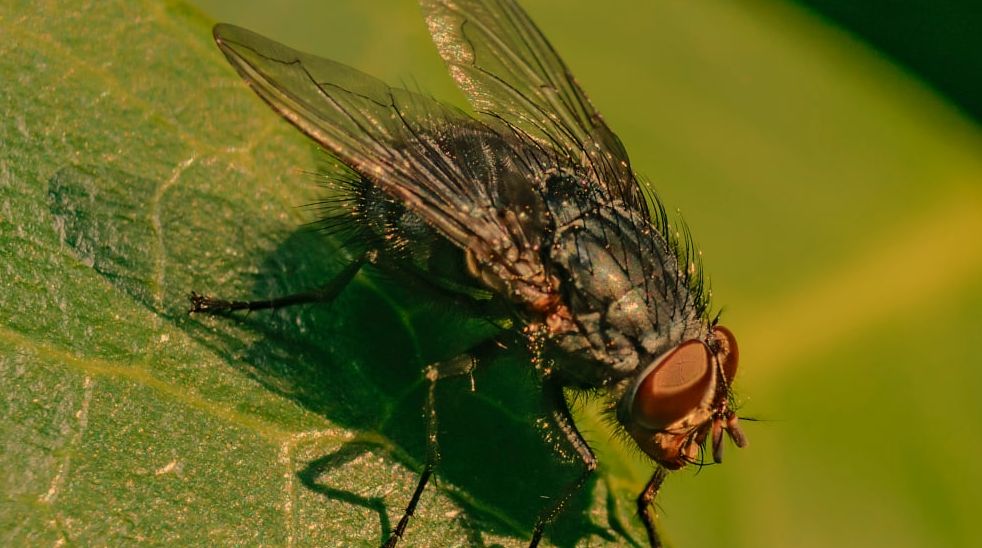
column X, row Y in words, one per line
column 132, row 175
column 837, row 203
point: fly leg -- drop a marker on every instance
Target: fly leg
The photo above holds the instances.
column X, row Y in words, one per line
column 323, row 294
column 463, row 364
column 645, row 500
column 563, row 419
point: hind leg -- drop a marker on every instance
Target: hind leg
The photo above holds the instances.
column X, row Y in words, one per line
column 563, row 419
column 323, row 294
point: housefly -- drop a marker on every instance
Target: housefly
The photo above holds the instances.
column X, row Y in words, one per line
column 536, row 201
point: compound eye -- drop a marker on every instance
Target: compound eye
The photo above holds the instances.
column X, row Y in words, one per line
column 675, row 387
column 728, row 354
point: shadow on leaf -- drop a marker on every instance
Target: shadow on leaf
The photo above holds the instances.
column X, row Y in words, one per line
column 357, row 361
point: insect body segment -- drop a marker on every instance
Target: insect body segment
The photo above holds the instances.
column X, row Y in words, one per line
column 622, row 285
column 536, row 200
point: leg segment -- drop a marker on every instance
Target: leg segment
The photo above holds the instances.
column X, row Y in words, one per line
column 645, row 500
column 323, row 294
column 455, row 367
column 411, row 508
column 563, row 419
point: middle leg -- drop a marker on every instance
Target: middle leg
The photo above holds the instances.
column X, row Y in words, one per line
column 563, row 419
column 464, row 364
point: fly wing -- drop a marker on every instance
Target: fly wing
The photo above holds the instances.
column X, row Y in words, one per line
column 464, row 178
column 508, row 70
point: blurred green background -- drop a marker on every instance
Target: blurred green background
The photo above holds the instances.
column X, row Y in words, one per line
column 837, row 202
column 939, row 41
column 834, row 193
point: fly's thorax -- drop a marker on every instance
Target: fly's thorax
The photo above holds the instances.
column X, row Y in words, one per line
column 619, row 280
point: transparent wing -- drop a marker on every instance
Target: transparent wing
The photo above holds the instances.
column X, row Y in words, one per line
column 468, row 180
column 508, row 70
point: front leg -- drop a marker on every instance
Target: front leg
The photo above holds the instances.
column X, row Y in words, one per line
column 645, row 499
column 563, row 419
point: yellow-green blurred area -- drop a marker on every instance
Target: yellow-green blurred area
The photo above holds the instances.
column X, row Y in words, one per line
column 834, row 195
column 837, row 202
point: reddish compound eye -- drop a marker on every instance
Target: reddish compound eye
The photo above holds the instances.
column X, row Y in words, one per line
column 728, row 354
column 675, row 387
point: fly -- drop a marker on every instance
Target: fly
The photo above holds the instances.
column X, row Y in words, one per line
column 536, row 201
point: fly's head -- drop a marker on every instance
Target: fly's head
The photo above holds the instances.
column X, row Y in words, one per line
column 681, row 398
